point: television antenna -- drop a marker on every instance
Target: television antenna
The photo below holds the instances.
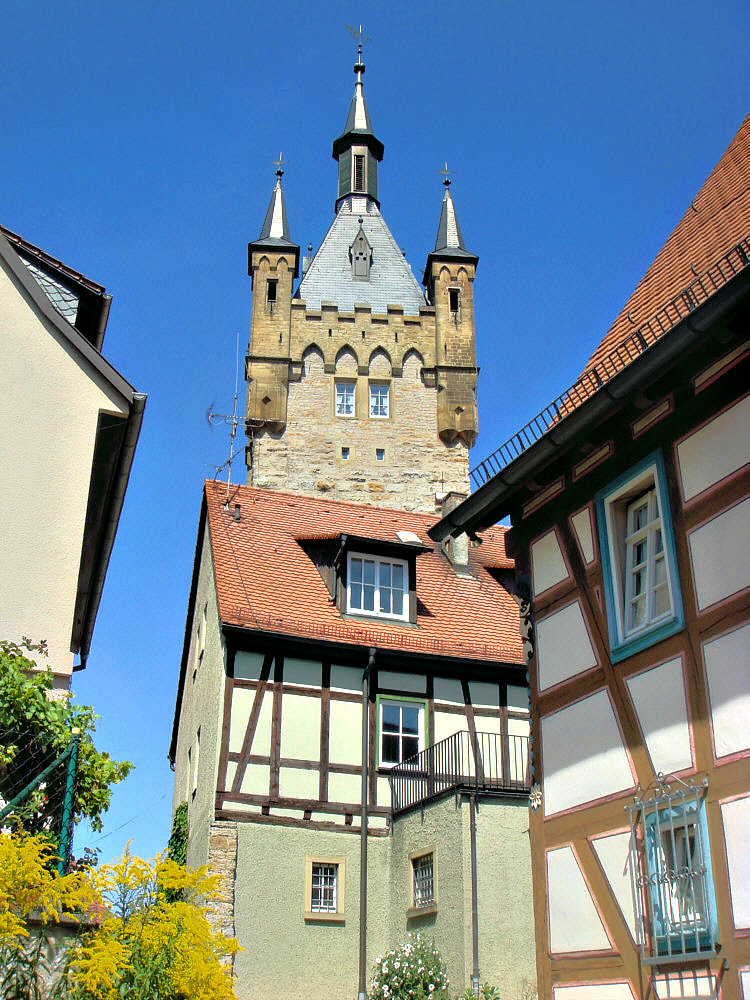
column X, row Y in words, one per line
column 231, row 420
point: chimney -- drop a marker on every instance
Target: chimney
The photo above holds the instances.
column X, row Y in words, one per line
column 457, row 549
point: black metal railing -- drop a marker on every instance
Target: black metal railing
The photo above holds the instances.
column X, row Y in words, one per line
column 694, row 295
column 484, row 762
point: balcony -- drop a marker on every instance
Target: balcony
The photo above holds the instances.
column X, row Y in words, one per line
column 485, row 762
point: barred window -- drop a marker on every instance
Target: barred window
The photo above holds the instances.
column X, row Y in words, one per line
column 423, row 880
column 324, row 888
column 671, row 875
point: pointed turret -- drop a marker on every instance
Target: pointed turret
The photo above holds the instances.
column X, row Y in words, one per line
column 449, row 279
column 357, row 150
column 273, row 264
column 274, row 234
column 449, row 242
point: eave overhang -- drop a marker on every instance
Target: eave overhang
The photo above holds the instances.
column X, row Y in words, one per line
column 491, row 502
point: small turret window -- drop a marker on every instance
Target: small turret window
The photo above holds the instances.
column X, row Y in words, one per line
column 360, row 254
column 359, row 172
column 453, row 300
column 271, row 288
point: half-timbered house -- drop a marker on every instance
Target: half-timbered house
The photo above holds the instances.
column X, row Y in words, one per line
column 352, row 722
column 628, row 498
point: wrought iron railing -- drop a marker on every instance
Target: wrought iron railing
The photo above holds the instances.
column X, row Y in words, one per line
column 685, row 302
column 481, row 762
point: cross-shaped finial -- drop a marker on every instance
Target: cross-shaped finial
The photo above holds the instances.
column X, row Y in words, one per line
column 279, row 164
column 446, row 174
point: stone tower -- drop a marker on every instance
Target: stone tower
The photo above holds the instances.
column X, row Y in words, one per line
column 361, row 386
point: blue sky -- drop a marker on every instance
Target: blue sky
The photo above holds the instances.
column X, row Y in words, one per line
column 139, row 140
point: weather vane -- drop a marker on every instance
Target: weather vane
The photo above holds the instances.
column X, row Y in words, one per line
column 279, row 165
column 446, row 174
column 361, row 37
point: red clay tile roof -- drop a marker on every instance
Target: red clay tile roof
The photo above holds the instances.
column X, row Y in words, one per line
column 717, row 219
column 265, row 581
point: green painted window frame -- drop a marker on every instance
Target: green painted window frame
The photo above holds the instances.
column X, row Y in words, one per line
column 399, row 699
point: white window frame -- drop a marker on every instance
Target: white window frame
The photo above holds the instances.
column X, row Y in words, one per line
column 318, row 869
column 400, row 703
column 622, row 540
column 380, row 400
column 378, row 562
column 344, row 405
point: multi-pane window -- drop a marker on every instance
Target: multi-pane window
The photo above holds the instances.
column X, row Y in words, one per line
column 647, row 597
column 401, row 730
column 423, row 880
column 671, row 872
column 378, row 399
column 344, row 399
column 324, row 888
column 639, row 562
column 377, row 586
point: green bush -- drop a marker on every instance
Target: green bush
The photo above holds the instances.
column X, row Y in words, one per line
column 415, row 971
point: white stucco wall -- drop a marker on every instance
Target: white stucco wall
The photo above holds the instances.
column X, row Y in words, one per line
column 50, row 399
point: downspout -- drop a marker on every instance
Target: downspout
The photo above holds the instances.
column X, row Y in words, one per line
column 474, row 896
column 363, row 827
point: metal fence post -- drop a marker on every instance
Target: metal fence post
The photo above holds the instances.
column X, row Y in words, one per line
column 66, row 824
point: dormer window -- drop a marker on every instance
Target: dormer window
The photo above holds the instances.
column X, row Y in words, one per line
column 377, row 586
column 360, row 254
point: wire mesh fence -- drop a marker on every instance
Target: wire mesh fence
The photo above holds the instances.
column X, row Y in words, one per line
column 37, row 778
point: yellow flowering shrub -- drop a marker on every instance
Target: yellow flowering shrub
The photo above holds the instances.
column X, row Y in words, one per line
column 149, row 934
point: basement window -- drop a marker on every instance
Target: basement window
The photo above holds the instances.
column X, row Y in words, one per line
column 423, row 881
column 324, row 888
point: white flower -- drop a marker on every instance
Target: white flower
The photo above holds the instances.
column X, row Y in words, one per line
column 431, row 987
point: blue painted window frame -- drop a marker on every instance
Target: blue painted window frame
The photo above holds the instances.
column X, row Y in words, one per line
column 666, row 944
column 620, row 646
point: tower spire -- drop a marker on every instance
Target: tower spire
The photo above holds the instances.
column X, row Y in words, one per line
column 449, row 242
column 274, row 233
column 357, row 149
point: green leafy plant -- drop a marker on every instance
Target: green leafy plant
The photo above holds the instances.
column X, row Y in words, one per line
column 177, row 845
column 32, row 722
column 415, row 971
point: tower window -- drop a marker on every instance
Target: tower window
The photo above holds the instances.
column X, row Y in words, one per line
column 359, row 172
column 345, row 453
column 344, row 399
column 378, row 399
column 271, row 287
column 453, row 300
column 380, row 454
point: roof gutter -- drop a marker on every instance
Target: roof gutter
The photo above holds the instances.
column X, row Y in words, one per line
column 489, row 503
column 117, row 497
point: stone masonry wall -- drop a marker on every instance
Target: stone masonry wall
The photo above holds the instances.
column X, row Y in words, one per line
column 305, row 456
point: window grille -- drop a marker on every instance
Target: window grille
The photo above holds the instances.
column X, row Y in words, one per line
column 323, row 898
column 670, row 870
column 423, row 880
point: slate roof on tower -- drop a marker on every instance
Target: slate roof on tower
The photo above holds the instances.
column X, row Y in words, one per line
column 265, row 581
column 330, row 279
